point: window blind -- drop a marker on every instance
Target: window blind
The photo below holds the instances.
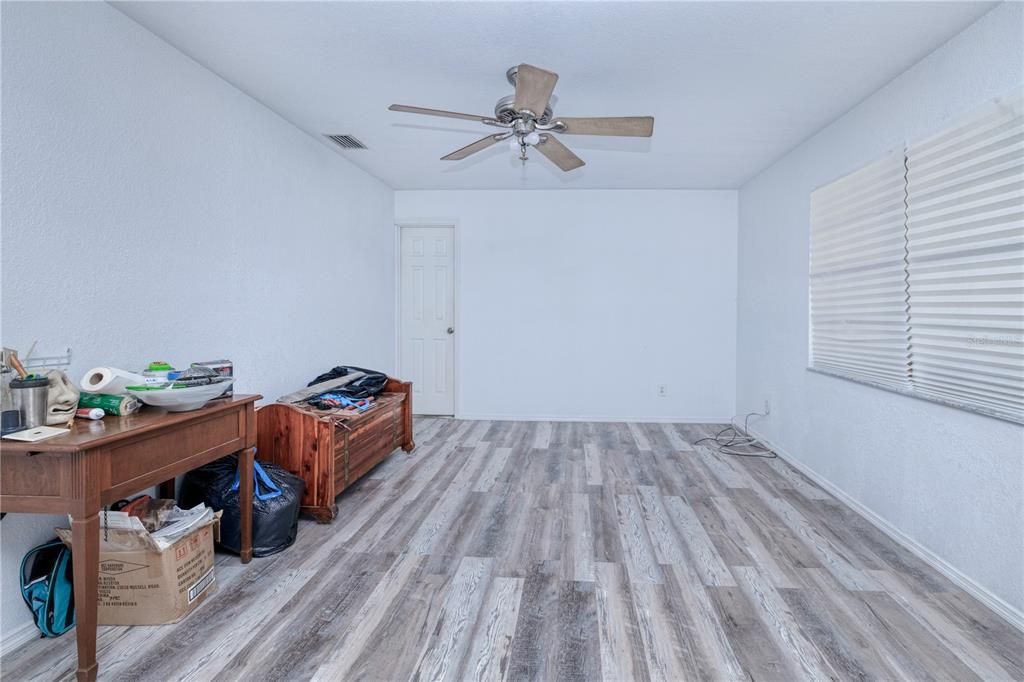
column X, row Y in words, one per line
column 858, row 287
column 965, row 264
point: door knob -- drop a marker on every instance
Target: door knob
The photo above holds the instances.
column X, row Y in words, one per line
column 451, row 330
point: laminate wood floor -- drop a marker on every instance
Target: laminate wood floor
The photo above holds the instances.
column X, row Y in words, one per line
column 570, row 551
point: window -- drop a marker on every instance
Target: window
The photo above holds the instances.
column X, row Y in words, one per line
column 859, row 317
column 917, row 267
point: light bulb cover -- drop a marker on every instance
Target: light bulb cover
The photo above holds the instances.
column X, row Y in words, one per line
column 533, row 138
column 514, row 144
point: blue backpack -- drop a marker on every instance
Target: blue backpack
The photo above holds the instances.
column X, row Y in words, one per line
column 48, row 588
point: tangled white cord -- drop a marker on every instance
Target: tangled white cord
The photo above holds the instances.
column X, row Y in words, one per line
column 732, row 437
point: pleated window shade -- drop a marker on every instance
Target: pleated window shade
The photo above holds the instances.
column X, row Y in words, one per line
column 858, row 279
column 965, row 244
column 917, row 267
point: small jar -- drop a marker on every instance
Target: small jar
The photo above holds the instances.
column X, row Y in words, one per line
column 158, row 370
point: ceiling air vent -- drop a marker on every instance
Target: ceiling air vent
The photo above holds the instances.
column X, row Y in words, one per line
column 346, row 141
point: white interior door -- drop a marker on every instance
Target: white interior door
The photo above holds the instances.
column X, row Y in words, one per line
column 427, row 317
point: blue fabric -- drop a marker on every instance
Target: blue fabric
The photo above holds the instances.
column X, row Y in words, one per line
column 342, row 400
column 258, row 476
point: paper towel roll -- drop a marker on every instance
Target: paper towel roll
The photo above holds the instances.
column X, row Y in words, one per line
column 110, row 380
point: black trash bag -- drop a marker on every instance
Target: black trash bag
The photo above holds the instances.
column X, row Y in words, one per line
column 363, row 387
column 275, row 503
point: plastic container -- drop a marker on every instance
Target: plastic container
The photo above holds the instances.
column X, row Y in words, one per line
column 10, row 421
column 159, row 370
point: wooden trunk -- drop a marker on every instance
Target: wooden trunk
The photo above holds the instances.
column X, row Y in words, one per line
column 331, row 454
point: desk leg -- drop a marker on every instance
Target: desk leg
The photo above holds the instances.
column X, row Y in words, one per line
column 245, row 460
column 85, row 558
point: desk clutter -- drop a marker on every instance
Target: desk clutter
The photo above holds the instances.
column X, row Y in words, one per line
column 39, row 406
column 32, row 402
column 163, row 386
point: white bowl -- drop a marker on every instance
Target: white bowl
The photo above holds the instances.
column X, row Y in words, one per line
column 183, row 399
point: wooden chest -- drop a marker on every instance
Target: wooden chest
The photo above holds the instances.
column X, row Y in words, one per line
column 331, row 454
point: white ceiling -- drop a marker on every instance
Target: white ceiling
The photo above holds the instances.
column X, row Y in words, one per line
column 732, row 86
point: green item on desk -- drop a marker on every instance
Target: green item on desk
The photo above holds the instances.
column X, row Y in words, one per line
column 117, row 405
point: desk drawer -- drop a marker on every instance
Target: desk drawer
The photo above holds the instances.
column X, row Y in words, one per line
column 161, row 456
column 36, row 475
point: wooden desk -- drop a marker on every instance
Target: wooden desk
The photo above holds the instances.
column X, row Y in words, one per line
column 101, row 462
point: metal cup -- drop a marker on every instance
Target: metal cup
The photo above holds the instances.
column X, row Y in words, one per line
column 30, row 396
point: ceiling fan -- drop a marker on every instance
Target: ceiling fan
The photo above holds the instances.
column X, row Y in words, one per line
column 529, row 121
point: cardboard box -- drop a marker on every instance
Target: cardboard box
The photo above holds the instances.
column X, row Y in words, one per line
column 141, row 583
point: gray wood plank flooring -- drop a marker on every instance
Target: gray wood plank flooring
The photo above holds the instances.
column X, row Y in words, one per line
column 570, row 551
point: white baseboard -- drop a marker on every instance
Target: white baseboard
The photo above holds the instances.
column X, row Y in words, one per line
column 18, row 637
column 603, row 420
column 1006, row 611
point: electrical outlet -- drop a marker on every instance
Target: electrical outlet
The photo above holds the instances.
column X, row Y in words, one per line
column 662, row 390
column 767, row 406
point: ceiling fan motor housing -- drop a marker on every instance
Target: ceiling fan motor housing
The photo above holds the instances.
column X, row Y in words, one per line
column 505, row 112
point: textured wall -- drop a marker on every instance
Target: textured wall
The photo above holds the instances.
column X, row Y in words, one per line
column 152, row 211
column 578, row 304
column 950, row 480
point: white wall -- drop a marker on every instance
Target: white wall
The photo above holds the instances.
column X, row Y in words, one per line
column 151, row 210
column 579, row 303
column 950, row 480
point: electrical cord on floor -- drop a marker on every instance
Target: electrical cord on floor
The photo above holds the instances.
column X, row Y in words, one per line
column 732, row 437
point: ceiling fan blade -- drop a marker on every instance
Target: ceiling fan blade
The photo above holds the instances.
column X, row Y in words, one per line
column 533, row 89
column 437, row 112
column 477, row 146
column 559, row 154
column 622, row 126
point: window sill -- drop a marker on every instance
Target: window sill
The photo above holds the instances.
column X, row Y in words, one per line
column 910, row 393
